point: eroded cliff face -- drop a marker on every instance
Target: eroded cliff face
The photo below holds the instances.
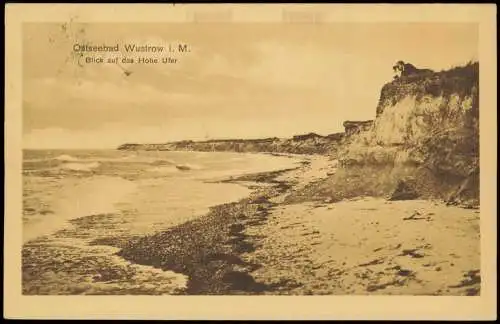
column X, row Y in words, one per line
column 427, row 131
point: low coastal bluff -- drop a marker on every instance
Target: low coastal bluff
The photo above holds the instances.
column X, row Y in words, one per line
column 300, row 144
column 425, row 137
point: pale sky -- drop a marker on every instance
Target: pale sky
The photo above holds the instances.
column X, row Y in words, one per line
column 239, row 80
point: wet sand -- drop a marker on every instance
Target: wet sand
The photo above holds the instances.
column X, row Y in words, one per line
column 264, row 244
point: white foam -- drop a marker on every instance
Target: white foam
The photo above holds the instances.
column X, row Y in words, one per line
column 78, row 198
column 81, row 166
column 65, row 157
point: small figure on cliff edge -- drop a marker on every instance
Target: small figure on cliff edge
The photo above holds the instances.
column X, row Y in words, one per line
column 403, row 69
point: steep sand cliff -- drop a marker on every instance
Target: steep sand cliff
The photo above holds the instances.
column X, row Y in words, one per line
column 424, row 142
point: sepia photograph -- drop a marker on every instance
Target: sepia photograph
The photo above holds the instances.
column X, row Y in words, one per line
column 297, row 157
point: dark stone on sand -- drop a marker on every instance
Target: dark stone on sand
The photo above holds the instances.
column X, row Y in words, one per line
column 404, row 272
column 376, row 287
column 412, row 253
column 260, row 200
column 373, row 262
column 405, row 190
column 244, row 247
column 236, row 228
column 471, row 278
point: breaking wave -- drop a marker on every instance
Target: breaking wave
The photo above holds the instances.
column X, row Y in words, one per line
column 66, row 158
column 80, row 166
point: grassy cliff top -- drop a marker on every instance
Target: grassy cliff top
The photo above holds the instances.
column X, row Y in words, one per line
column 461, row 80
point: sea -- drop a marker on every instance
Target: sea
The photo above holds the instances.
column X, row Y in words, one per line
column 77, row 204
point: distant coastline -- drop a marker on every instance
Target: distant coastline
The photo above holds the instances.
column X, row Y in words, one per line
column 310, row 143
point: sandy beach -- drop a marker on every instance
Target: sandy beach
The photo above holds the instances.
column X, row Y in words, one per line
column 265, row 244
